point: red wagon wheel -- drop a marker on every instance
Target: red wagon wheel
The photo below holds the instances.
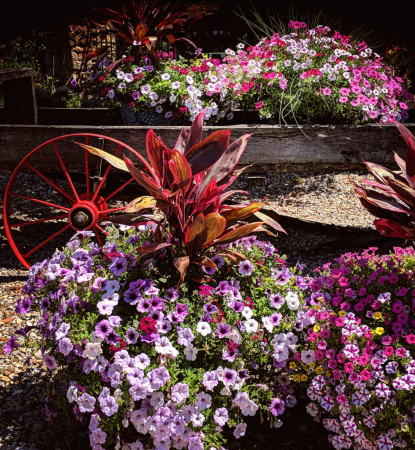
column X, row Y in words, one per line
column 76, row 202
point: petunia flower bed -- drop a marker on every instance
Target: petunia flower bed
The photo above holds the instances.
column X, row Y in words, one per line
column 310, row 75
column 184, row 324
column 147, row 365
column 364, row 337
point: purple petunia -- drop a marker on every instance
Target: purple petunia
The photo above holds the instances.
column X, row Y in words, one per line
column 11, row 345
column 65, row 346
column 50, row 362
column 221, row 416
column 246, row 267
column 108, row 406
column 131, row 336
column 23, row 306
column 210, row 380
column 276, row 300
column 86, row 403
column 118, row 266
column 103, row 328
column 223, row 330
column 229, row 377
column 277, row 407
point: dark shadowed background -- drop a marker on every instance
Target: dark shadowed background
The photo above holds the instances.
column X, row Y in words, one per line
column 389, row 18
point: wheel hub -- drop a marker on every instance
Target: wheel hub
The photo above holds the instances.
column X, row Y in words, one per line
column 86, row 213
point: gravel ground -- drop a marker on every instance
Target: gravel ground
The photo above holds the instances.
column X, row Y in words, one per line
column 326, row 198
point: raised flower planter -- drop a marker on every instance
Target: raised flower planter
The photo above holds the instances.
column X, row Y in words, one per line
column 270, row 147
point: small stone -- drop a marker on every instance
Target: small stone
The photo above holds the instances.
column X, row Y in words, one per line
column 7, row 320
column 37, row 426
column 19, row 409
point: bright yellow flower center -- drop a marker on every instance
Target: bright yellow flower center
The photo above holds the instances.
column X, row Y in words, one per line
column 316, row 328
column 379, row 330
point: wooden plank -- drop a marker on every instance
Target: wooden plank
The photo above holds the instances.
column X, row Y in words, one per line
column 13, row 74
column 270, row 145
column 72, row 116
column 19, row 97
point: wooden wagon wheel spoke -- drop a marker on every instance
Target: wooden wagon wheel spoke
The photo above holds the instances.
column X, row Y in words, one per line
column 101, row 229
column 58, row 188
column 85, row 209
column 36, row 200
column 105, row 175
column 22, row 224
column 96, row 229
column 88, row 187
column 108, row 211
column 119, row 189
column 65, row 171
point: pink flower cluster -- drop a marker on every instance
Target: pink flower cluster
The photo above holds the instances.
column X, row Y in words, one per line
column 364, row 337
column 308, row 63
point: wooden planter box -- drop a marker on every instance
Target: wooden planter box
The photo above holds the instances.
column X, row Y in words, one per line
column 272, row 147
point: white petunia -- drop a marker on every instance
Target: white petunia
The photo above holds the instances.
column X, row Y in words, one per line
column 92, row 350
column 251, row 326
column 292, row 301
column 203, row 328
column 247, row 312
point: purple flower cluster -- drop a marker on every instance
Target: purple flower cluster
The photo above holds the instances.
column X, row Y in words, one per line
column 135, row 342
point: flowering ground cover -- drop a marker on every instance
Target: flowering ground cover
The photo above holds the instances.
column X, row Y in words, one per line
column 309, row 75
column 364, row 338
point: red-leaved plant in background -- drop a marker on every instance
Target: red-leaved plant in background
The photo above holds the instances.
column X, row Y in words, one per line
column 187, row 184
column 145, row 24
column 393, row 199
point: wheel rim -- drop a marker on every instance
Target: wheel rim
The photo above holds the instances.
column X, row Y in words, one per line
column 85, row 207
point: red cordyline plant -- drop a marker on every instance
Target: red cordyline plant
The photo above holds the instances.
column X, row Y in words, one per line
column 145, row 24
column 188, row 185
column 393, row 199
